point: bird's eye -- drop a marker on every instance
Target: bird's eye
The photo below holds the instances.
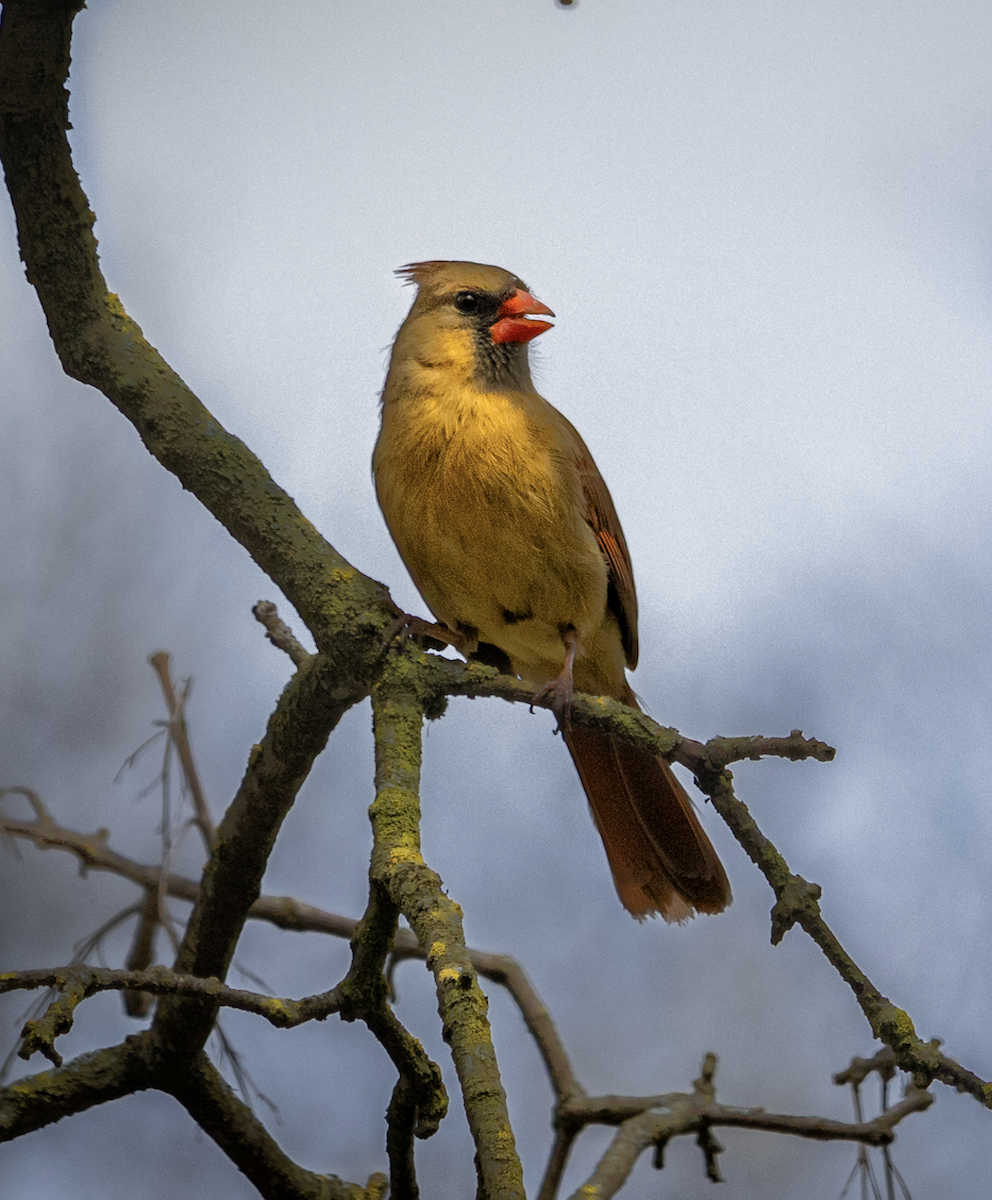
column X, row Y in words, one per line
column 468, row 302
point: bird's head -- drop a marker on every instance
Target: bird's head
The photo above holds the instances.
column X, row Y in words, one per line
column 474, row 317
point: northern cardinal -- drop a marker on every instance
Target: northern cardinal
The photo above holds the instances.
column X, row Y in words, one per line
column 509, row 532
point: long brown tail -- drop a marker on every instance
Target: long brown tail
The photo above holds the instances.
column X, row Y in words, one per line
column 662, row 861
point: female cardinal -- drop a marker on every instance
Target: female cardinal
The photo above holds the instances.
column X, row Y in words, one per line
column 510, row 534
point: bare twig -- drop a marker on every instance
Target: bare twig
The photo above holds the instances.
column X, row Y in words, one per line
column 176, row 705
column 883, row 1064
column 73, row 984
column 136, row 1003
column 279, row 633
column 643, row 1122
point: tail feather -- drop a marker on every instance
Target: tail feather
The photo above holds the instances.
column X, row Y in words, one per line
column 661, row 859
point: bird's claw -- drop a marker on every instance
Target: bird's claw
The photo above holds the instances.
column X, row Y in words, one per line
column 426, row 633
column 557, row 695
column 558, row 692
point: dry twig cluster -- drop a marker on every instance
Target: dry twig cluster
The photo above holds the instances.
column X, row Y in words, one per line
column 400, row 877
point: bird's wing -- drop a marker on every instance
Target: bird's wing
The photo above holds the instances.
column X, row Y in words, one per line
column 603, row 519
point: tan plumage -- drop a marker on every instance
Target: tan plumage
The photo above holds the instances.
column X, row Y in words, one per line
column 510, row 534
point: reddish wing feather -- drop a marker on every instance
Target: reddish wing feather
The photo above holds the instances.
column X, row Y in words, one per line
column 622, row 578
column 605, row 523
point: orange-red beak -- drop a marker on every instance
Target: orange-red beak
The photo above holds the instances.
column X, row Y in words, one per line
column 512, row 324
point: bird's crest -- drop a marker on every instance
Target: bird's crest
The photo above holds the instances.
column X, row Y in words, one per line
column 418, row 272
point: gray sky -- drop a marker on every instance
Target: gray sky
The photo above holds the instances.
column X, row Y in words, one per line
column 765, row 229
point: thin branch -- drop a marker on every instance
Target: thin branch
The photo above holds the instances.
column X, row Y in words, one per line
column 557, row 1161
column 508, row 973
column 279, row 633
column 77, row 983
column 883, row 1063
column 474, row 680
column 618, row 1110
column 797, row 903
column 92, row 850
column 643, row 1122
column 45, row 1019
column 176, row 706
column 139, row 1004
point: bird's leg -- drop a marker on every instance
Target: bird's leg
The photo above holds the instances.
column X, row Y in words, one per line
column 559, row 691
column 425, row 633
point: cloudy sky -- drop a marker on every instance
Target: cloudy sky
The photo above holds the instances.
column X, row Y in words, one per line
column 766, row 229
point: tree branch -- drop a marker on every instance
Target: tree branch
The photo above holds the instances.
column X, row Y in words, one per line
column 348, row 614
column 293, row 915
column 508, row 973
column 279, row 633
column 397, row 864
column 77, row 983
column 138, row 1004
column 87, row 1081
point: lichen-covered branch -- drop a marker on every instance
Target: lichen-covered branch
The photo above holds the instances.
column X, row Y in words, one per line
column 92, row 1079
column 74, row 984
column 508, row 973
column 288, row 913
column 117, row 1071
column 476, row 680
column 397, row 864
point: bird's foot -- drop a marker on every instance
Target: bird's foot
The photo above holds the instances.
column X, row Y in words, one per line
column 558, row 693
column 427, row 634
